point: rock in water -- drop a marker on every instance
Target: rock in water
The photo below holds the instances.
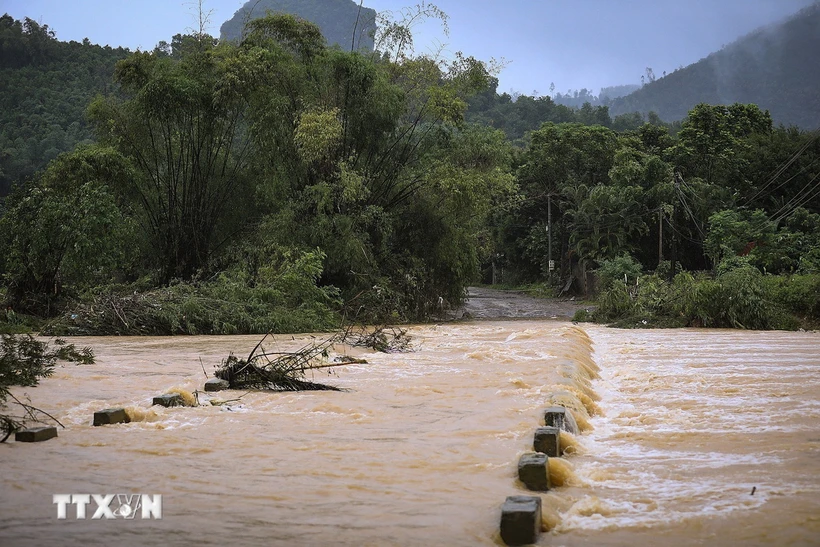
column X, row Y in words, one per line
column 169, row 399
column 548, row 441
column 560, row 417
column 533, row 471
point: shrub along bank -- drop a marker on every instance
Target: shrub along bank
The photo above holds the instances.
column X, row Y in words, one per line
column 737, row 295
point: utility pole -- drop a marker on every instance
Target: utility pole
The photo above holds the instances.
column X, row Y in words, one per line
column 673, row 223
column 550, row 263
column 660, row 235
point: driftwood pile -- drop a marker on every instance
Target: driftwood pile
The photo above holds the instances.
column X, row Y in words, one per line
column 279, row 371
column 287, row 371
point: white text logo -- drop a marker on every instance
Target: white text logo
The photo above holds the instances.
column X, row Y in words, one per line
column 109, row 506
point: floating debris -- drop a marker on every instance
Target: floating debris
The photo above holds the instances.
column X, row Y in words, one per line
column 279, row 371
column 384, row 339
column 287, row 371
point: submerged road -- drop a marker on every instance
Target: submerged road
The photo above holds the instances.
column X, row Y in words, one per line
column 485, row 303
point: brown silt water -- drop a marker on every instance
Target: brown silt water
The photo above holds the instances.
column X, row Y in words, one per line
column 421, row 448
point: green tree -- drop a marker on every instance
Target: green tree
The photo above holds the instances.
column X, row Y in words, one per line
column 604, row 220
column 351, row 151
column 182, row 123
column 565, row 164
column 711, row 139
column 66, row 229
column 732, row 232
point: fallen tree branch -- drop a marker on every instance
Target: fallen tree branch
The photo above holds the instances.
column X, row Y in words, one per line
column 280, row 371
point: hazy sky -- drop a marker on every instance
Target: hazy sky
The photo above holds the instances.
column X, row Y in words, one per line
column 574, row 43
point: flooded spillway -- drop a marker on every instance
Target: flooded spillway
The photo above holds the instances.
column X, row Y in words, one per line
column 422, row 447
column 711, row 437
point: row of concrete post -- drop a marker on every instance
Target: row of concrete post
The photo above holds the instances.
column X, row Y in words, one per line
column 521, row 515
column 110, row 416
column 102, row 417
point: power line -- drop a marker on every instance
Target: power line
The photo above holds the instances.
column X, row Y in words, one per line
column 683, row 235
column 686, row 207
column 788, row 180
column 786, row 165
column 799, row 201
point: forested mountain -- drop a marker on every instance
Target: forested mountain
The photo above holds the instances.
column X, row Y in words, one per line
column 774, row 67
column 337, row 19
column 45, row 87
column 615, row 91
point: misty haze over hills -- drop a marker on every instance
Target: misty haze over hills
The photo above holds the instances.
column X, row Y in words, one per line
column 775, row 67
column 772, row 66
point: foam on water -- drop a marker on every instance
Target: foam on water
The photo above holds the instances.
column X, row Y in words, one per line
column 569, row 444
column 188, row 398
column 694, row 428
column 561, row 472
column 140, row 414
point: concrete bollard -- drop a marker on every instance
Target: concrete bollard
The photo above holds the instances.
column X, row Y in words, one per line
column 215, row 384
column 169, row 399
column 35, row 434
column 547, row 441
column 111, row 416
column 560, row 417
column 521, row 520
column 534, row 471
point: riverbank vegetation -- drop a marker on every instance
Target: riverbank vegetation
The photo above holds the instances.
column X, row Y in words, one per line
column 276, row 184
column 737, row 296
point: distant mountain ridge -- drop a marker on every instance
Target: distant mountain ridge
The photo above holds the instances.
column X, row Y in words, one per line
column 775, row 67
column 338, row 20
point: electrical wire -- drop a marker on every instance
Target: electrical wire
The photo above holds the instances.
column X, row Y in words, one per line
column 788, row 180
column 797, row 200
column 786, row 165
column 686, row 207
column 683, row 235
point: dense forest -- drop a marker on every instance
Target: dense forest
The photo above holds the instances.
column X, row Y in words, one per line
column 342, row 22
column 276, row 183
column 45, row 87
column 269, row 184
column 728, row 193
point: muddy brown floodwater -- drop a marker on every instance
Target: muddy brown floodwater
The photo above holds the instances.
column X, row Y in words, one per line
column 422, row 447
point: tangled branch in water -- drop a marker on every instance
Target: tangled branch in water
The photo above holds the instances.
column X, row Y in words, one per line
column 286, row 371
column 280, row 371
column 385, row 339
column 23, row 361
